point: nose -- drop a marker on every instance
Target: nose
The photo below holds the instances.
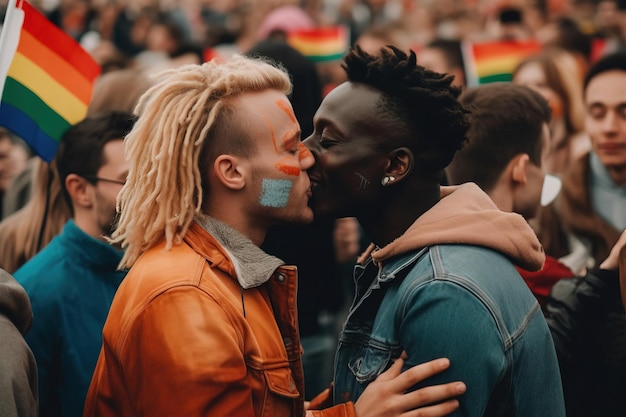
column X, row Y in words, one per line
column 306, row 157
column 609, row 123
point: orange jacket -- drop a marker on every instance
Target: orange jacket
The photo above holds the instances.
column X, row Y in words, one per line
column 184, row 338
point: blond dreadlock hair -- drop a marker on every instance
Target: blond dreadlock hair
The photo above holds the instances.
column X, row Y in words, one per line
column 176, row 117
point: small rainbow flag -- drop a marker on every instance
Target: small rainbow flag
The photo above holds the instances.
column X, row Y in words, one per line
column 46, row 79
column 321, row 44
column 495, row 61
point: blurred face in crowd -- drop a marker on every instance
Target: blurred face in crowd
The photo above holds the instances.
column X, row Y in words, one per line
column 532, row 75
column 435, row 60
column 13, row 160
column 110, row 178
column 605, row 121
column 5, row 163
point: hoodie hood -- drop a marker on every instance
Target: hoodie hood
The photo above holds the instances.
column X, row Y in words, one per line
column 14, row 302
column 466, row 215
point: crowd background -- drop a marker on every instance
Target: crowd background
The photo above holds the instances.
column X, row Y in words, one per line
column 134, row 39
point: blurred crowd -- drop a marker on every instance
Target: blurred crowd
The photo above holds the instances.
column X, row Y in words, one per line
column 132, row 40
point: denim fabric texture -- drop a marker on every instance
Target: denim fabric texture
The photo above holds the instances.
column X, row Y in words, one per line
column 463, row 302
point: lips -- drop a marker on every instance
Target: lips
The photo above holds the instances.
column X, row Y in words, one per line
column 612, row 146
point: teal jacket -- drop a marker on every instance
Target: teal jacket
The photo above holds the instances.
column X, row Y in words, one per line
column 71, row 284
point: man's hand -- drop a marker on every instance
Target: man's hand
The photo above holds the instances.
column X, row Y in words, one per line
column 387, row 395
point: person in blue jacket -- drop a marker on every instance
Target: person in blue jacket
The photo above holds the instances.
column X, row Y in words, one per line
column 439, row 278
column 72, row 281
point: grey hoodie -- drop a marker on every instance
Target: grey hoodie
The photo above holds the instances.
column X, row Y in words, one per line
column 18, row 370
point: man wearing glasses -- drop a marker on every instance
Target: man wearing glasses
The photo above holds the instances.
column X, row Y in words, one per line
column 72, row 281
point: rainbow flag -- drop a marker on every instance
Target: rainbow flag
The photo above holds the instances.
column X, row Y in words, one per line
column 46, row 79
column 495, row 61
column 321, row 44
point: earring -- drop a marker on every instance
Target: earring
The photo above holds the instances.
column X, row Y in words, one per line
column 387, row 180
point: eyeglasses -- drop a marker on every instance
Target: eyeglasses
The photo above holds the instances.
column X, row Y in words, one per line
column 96, row 179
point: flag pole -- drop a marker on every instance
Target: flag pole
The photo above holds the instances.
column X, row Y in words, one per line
column 9, row 38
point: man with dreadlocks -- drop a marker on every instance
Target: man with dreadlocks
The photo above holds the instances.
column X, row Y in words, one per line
column 204, row 324
column 439, row 278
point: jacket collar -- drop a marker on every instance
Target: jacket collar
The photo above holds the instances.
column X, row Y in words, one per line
column 89, row 250
column 252, row 266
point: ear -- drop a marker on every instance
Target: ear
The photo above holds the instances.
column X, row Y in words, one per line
column 400, row 164
column 80, row 190
column 230, row 171
column 518, row 166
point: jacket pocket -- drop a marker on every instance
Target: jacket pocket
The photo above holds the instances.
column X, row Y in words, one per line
column 280, row 382
column 371, row 363
column 280, row 393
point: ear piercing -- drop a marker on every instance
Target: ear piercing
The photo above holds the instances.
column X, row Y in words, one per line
column 387, row 180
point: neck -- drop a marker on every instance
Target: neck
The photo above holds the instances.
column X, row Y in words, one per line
column 253, row 230
column 502, row 197
column 84, row 223
column 386, row 222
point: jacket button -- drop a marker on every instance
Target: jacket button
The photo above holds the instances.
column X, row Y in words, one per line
column 281, row 277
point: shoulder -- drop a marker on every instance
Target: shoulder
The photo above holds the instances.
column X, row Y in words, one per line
column 471, row 276
column 462, row 264
column 47, row 270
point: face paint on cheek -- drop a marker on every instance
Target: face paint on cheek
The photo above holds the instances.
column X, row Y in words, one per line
column 275, row 193
column 287, row 166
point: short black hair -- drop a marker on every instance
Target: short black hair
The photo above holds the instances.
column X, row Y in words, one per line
column 507, row 120
column 615, row 61
column 423, row 100
column 81, row 149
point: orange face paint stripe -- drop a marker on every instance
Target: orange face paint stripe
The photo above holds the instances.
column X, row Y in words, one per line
column 287, row 109
column 286, row 166
column 270, row 126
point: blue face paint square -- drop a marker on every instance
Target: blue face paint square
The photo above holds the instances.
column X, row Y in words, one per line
column 275, row 193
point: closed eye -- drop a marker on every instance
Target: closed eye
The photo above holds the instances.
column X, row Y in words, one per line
column 327, row 141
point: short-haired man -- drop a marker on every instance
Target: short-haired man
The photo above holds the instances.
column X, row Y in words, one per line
column 593, row 203
column 509, row 139
column 71, row 282
column 205, row 322
column 439, row 278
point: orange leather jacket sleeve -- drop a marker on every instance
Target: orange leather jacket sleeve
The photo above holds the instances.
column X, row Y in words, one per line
column 340, row 410
column 322, row 406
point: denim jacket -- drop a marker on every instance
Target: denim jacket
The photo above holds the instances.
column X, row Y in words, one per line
column 462, row 301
